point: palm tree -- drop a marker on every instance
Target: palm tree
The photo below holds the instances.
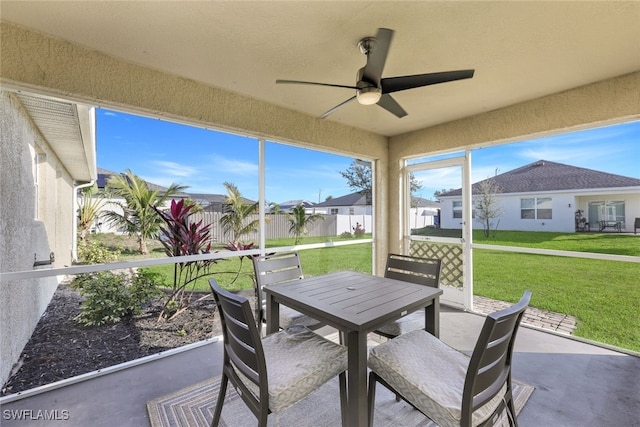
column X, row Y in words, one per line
column 138, row 216
column 238, row 210
column 300, row 220
column 88, row 210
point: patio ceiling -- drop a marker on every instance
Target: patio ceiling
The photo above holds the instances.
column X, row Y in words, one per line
column 520, row 50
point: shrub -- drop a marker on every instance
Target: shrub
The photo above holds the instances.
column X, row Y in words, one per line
column 95, row 253
column 111, row 297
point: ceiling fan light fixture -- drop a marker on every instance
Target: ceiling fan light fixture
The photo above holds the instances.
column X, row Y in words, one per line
column 368, row 95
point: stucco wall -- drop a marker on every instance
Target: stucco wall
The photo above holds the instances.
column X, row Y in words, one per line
column 563, row 216
column 23, row 237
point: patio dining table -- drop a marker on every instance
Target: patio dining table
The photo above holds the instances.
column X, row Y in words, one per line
column 355, row 304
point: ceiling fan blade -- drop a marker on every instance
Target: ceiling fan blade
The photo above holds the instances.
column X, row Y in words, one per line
column 396, row 84
column 390, row 104
column 337, row 107
column 313, row 83
column 377, row 57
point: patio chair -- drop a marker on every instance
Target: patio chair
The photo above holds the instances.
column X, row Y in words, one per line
column 422, row 271
column 278, row 268
column 446, row 385
column 272, row 373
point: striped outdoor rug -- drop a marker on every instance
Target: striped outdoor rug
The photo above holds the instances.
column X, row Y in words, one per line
column 194, row 406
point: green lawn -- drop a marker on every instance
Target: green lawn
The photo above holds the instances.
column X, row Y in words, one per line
column 605, row 243
column 602, row 295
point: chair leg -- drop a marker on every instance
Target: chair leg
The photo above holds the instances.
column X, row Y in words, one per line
column 343, row 397
column 221, row 395
column 372, row 396
column 511, row 411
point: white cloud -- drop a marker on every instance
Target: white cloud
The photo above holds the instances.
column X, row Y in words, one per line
column 224, row 164
column 176, row 169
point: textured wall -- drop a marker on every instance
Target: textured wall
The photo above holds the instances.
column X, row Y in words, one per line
column 22, row 236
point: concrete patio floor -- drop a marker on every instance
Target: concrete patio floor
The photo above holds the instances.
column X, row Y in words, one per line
column 576, row 383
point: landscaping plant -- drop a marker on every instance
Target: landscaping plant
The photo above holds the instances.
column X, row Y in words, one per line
column 111, row 297
column 181, row 237
column 136, row 214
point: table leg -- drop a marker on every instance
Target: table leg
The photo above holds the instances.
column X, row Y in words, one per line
column 273, row 315
column 432, row 318
column 358, row 413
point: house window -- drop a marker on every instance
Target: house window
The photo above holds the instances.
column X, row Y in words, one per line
column 334, row 211
column 352, row 211
column 457, row 209
column 536, row 208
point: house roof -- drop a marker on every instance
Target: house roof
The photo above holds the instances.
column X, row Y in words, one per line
column 293, row 203
column 104, row 175
column 202, row 199
column 353, row 199
column 544, row 176
column 419, row 202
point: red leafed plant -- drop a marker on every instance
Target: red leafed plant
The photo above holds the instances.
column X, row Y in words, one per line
column 182, row 237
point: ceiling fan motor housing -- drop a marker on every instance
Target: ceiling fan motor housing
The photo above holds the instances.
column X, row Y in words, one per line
column 367, row 93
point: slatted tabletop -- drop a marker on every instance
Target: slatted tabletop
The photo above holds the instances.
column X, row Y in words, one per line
column 355, row 304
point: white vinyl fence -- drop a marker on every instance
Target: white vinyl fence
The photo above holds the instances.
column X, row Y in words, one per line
column 277, row 226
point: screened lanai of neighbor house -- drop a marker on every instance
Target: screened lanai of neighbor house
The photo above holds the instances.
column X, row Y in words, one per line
column 524, row 70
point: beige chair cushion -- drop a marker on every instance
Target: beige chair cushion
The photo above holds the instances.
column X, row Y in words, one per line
column 290, row 317
column 298, row 363
column 405, row 324
column 429, row 374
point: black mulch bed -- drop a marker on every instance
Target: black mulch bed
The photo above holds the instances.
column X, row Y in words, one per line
column 62, row 348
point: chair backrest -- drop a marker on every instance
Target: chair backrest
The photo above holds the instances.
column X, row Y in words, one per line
column 490, row 365
column 276, row 268
column 242, row 346
column 423, row 271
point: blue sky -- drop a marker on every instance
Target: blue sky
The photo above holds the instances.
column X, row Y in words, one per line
column 163, row 153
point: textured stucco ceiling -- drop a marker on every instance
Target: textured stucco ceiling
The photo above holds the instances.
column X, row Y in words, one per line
column 520, row 50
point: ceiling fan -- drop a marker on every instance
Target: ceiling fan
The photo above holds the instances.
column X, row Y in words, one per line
column 371, row 88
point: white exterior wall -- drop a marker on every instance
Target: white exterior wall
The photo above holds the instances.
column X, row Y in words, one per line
column 563, row 216
column 422, row 217
column 343, row 210
column 24, row 236
column 564, row 207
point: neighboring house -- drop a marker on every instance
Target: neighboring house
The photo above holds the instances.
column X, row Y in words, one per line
column 548, row 196
column 424, row 213
column 47, row 151
column 290, row 204
column 352, row 204
column 208, row 202
column 102, row 225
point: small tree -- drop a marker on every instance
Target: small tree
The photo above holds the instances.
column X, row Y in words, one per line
column 88, row 209
column 299, row 221
column 138, row 216
column 358, row 178
column 234, row 221
column 487, row 207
